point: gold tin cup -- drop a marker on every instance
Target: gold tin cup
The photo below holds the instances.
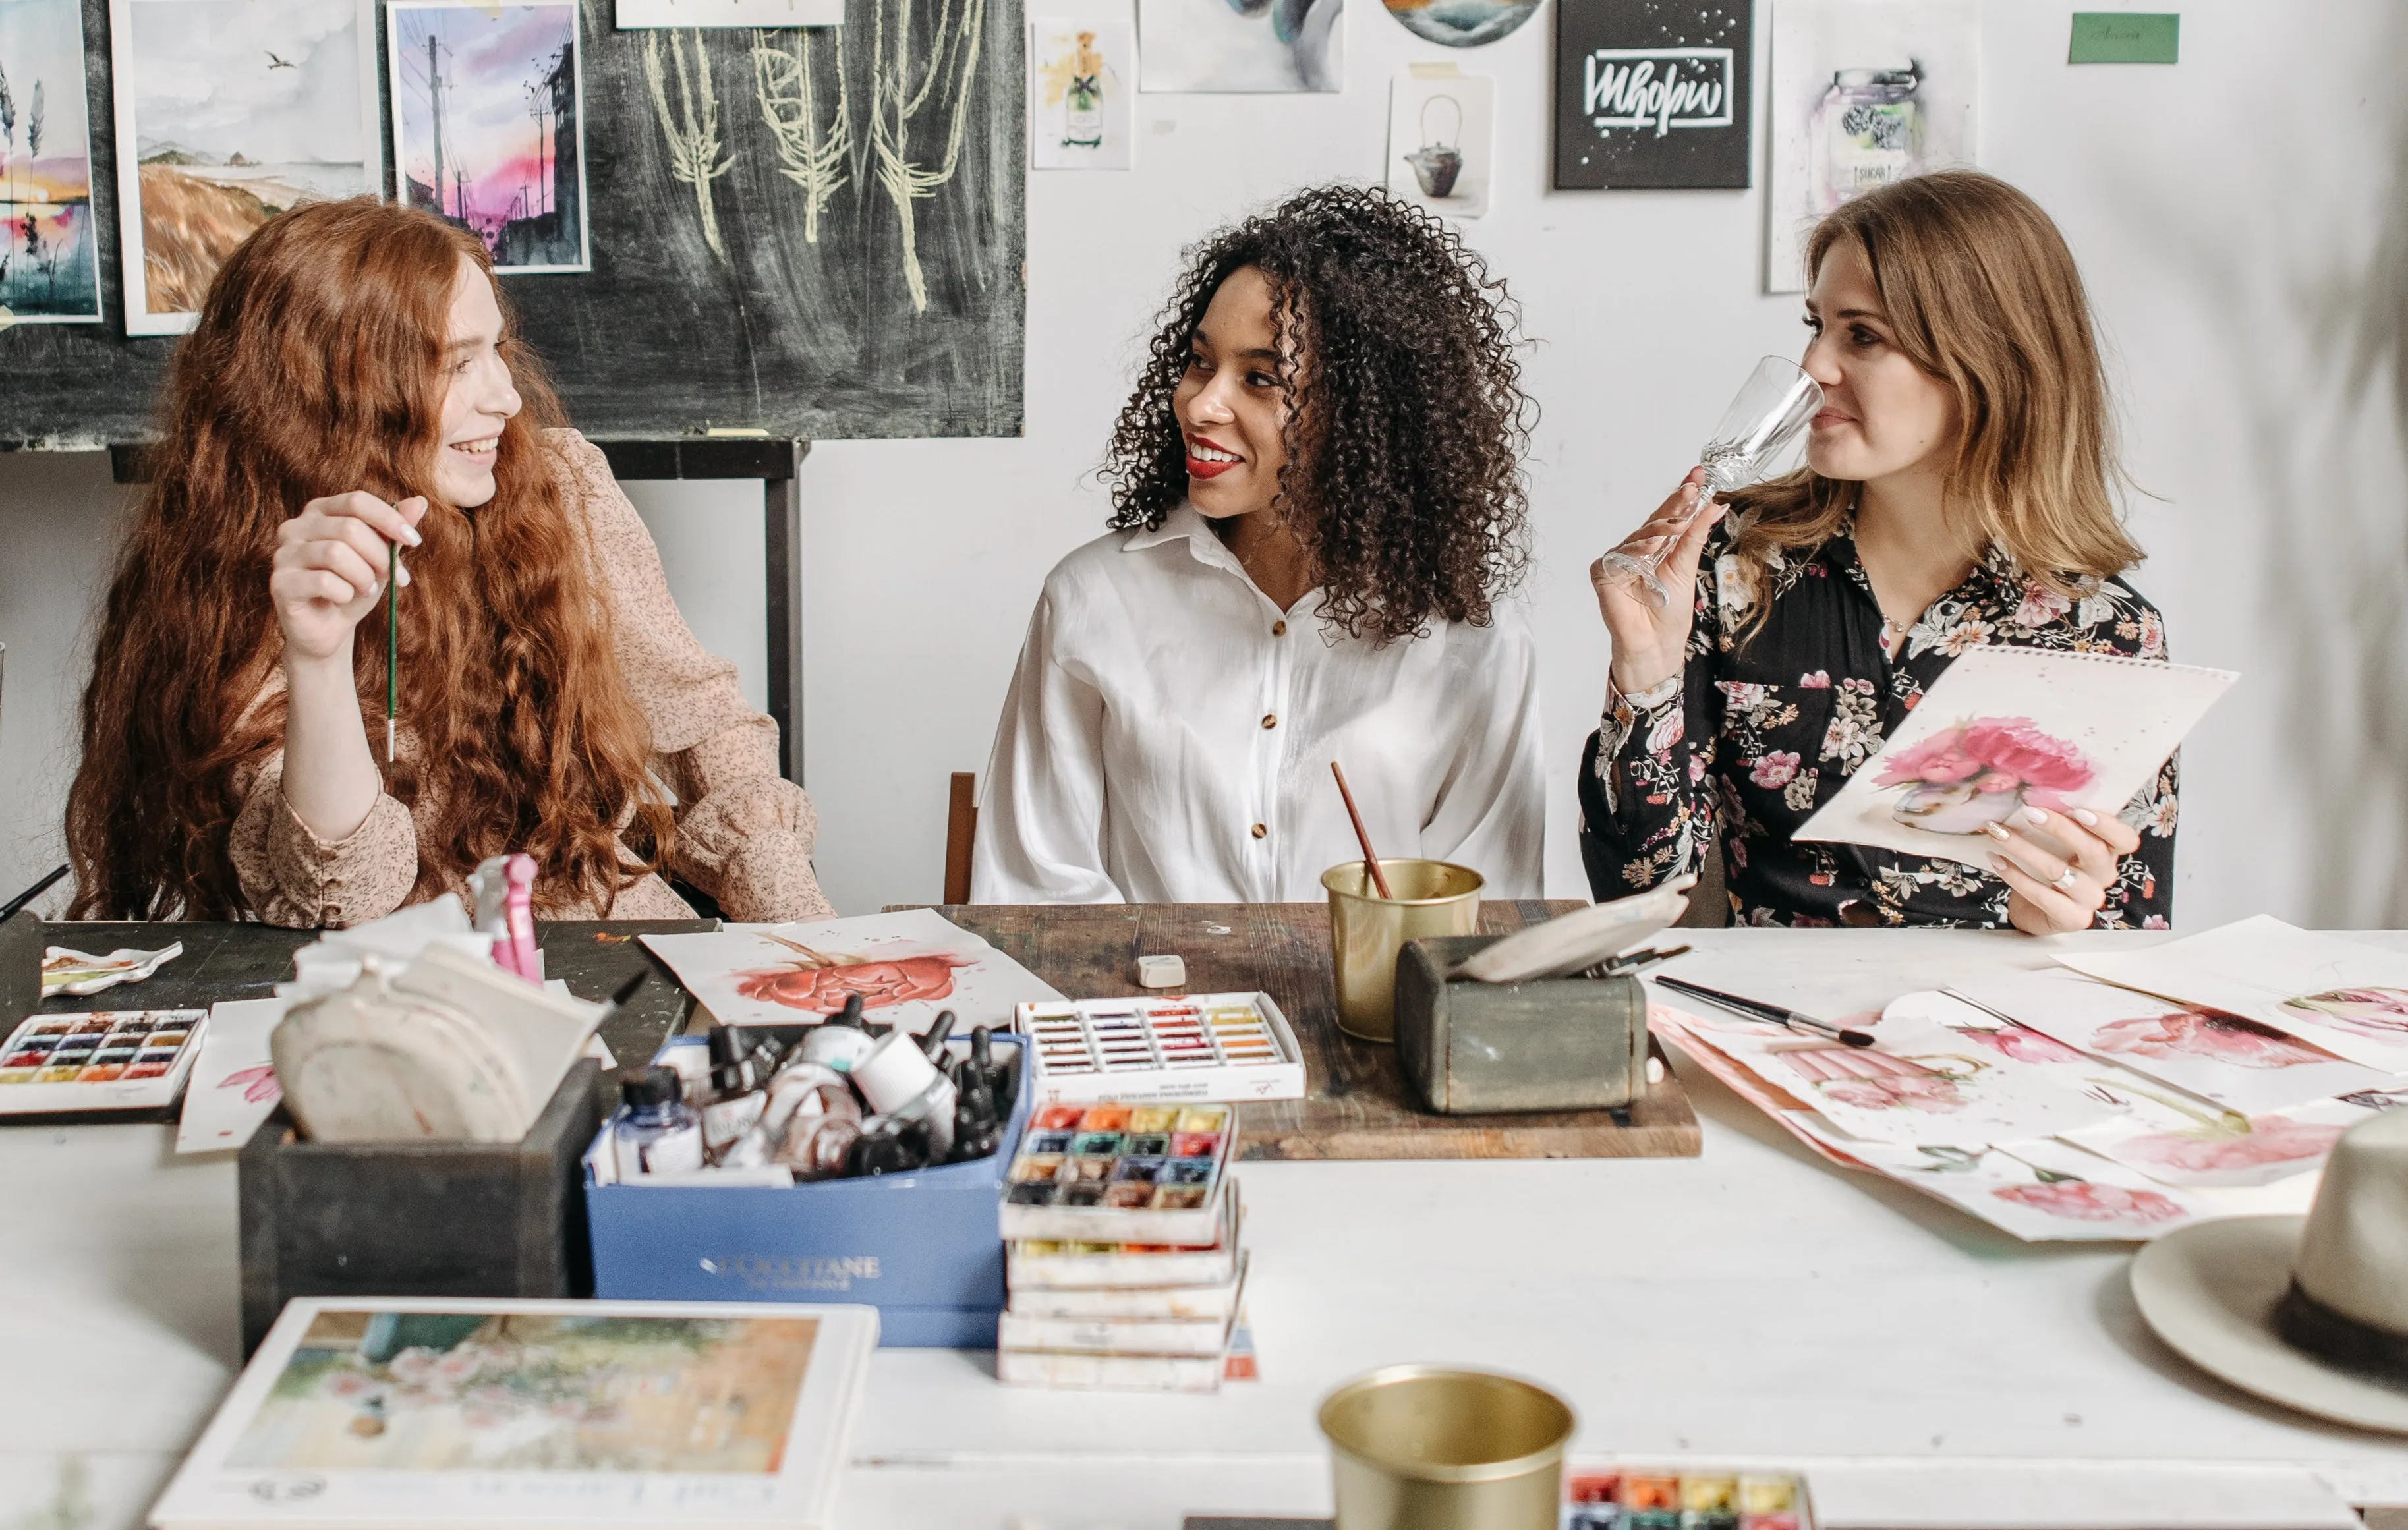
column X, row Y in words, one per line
column 1366, row 931
column 1428, row 1448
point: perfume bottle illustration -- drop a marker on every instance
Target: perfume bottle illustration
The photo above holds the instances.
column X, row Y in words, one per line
column 1082, row 97
column 1867, row 133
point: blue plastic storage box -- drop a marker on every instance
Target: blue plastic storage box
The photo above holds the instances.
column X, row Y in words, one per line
column 924, row 1248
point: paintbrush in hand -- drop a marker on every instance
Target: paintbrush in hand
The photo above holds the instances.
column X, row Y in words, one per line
column 391, row 649
column 1362, row 836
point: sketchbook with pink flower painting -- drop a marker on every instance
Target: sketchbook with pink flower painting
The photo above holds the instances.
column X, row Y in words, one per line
column 2006, row 728
column 907, row 966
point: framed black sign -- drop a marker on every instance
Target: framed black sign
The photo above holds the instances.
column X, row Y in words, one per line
column 1652, row 93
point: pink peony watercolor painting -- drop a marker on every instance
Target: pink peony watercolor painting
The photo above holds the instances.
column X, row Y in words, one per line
column 2020, row 1043
column 1979, row 771
column 2086, row 1200
column 2271, row 1140
column 2378, row 1012
column 2206, row 1034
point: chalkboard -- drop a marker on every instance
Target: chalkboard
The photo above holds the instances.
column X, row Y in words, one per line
column 897, row 310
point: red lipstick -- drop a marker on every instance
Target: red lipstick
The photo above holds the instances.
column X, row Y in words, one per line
column 1197, row 467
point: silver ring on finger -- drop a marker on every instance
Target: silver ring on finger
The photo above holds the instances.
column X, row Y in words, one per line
column 2066, row 882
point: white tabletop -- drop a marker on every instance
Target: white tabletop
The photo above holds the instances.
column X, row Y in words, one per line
column 1752, row 1305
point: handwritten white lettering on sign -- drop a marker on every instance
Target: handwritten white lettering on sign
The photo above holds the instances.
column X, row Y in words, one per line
column 1662, row 88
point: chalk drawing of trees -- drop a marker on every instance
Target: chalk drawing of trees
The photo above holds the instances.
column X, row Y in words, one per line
column 901, row 94
column 693, row 132
column 810, row 155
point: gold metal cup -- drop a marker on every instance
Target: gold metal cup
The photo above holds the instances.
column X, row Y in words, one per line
column 1366, row 931
column 1427, row 1447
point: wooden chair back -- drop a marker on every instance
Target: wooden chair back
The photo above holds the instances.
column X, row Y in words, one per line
column 961, row 833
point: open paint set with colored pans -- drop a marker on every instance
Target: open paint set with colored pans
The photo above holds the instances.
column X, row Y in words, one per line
column 1116, row 1173
column 117, row 1060
column 1204, row 1047
column 1689, row 1499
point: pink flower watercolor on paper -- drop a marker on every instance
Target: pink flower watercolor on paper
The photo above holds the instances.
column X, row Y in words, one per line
column 2209, row 1034
column 256, row 1084
column 2020, row 1042
column 1981, row 770
column 2378, row 1012
column 2270, row 1140
column 2082, row 1200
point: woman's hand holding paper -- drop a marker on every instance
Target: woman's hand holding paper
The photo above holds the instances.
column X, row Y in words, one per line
column 1651, row 646
column 2059, row 866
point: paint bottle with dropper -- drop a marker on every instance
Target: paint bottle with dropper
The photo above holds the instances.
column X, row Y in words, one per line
column 842, row 1039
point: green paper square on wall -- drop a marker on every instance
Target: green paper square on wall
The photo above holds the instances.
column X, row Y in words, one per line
column 2123, row 36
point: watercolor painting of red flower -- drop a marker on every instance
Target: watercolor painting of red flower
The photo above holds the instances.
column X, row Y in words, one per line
column 2206, row 1033
column 819, row 981
column 2083, row 1200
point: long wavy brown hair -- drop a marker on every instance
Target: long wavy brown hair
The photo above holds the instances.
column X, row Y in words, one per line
column 1981, row 294
column 316, row 369
column 1407, row 420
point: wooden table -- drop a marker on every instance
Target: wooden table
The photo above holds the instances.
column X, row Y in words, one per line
column 1359, row 1104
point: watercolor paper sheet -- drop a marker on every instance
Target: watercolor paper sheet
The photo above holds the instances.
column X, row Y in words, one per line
column 532, row 1413
column 229, row 112
column 233, row 1086
column 50, row 263
column 2176, row 1143
column 634, row 15
column 2041, row 1191
column 1442, row 139
column 1864, row 93
column 489, row 125
column 1081, row 76
column 907, row 968
column 2003, row 727
column 2346, row 998
column 2227, row 1061
column 1278, row 45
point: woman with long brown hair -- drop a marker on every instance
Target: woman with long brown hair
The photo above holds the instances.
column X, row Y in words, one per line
column 353, row 387
column 1956, row 493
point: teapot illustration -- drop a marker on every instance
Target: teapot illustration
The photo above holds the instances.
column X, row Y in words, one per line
column 1438, row 162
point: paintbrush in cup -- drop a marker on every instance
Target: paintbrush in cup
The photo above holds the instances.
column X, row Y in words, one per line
column 1362, row 836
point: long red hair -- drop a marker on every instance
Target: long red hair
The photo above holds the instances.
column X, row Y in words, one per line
column 316, row 369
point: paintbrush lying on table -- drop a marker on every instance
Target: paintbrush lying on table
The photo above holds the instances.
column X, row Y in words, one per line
column 1772, row 1014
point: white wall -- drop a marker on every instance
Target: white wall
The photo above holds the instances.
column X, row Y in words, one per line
column 2243, row 218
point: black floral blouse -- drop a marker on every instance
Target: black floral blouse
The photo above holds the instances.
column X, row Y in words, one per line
column 1757, row 733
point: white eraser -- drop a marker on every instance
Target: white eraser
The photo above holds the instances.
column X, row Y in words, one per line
column 1161, row 971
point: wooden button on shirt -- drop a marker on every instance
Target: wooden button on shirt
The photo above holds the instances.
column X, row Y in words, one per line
column 744, row 833
column 1159, row 723
column 1762, row 729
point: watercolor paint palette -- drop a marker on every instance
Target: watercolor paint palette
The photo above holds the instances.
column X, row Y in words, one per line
column 1644, row 1498
column 1195, row 1330
column 1047, row 1264
column 1114, row 1172
column 110, row 1060
column 1203, row 1047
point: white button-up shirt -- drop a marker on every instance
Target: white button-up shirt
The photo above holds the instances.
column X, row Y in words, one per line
column 1169, row 735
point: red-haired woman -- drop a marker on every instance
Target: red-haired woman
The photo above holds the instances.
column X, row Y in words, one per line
column 353, row 384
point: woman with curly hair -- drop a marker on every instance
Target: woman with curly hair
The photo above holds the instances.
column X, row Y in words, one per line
column 353, row 387
column 1317, row 505
column 1954, row 493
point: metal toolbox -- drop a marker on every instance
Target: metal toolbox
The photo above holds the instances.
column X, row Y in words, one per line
column 1575, row 1043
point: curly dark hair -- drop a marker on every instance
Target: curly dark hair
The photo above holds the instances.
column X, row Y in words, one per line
column 1407, row 420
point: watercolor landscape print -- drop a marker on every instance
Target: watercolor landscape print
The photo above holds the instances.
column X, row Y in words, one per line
column 489, row 126
column 229, row 112
column 50, row 269
column 520, row 1392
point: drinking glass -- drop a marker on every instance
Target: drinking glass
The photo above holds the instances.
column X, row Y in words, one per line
column 1775, row 404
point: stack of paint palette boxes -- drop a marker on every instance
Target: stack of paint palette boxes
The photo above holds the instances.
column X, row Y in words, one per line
column 1122, row 1223
column 1121, row 1258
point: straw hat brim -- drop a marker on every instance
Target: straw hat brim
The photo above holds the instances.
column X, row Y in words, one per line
column 2209, row 1290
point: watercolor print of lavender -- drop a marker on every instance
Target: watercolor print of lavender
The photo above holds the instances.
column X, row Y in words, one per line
column 810, row 155
column 693, row 130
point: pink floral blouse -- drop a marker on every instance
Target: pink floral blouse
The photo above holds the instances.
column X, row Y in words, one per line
column 1757, row 733
column 744, row 833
